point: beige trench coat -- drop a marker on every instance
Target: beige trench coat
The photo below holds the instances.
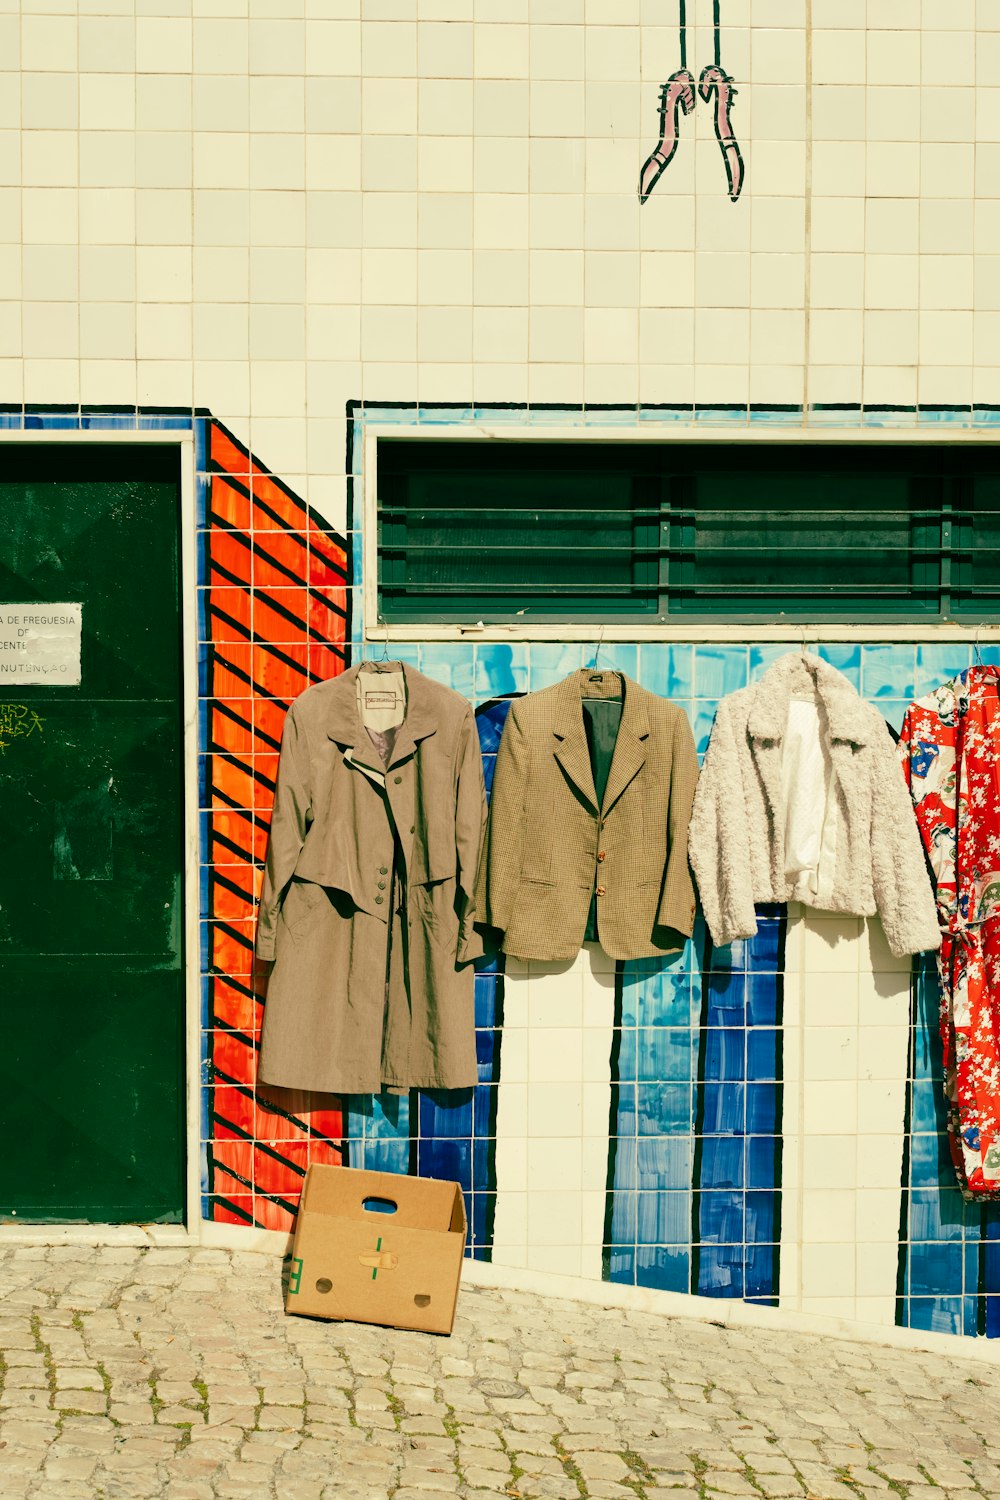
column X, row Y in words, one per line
column 550, row 847
column 368, row 991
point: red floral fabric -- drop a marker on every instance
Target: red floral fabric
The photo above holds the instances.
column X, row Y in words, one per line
column 950, row 749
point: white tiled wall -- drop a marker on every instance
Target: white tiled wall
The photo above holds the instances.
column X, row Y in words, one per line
column 844, row 1061
column 270, row 207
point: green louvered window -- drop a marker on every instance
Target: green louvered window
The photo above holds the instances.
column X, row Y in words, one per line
column 540, row 532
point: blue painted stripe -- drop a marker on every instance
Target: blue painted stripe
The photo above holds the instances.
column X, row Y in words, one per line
column 737, row 1169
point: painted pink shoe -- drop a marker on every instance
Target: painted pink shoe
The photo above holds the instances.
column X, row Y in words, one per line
column 715, row 78
column 675, row 95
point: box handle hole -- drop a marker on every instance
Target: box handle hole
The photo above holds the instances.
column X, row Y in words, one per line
column 324, row 1284
column 379, row 1206
column 422, row 1299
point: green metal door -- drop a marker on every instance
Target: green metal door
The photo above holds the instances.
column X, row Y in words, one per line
column 92, row 829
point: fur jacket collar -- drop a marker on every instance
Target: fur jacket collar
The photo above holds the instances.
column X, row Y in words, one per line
column 801, row 798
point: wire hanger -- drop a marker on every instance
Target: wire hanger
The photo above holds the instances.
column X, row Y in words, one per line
column 598, row 675
column 975, row 645
column 385, row 641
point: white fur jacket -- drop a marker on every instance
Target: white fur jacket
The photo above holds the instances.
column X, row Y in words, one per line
column 801, row 798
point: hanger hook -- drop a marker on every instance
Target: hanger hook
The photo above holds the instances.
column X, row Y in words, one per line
column 385, row 639
column 597, row 648
column 975, row 645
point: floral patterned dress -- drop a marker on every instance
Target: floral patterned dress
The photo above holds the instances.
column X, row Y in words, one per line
column 950, row 748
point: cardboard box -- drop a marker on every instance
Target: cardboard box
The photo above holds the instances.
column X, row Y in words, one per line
column 377, row 1247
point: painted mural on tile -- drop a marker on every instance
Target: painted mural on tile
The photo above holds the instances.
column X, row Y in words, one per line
column 679, row 96
column 275, row 610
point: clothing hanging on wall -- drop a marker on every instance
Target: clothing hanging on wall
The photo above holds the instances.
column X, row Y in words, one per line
column 560, row 852
column 800, row 799
column 368, row 899
column 950, row 749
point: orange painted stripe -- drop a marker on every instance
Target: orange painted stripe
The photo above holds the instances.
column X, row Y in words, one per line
column 227, row 734
column 291, row 512
column 237, row 784
column 270, row 1215
column 272, row 625
column 229, row 505
column 235, row 1008
column 229, row 956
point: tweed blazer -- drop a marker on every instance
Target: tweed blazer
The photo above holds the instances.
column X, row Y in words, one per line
column 832, row 826
column 550, row 847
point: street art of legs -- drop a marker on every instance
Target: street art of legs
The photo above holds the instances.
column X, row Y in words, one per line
column 677, row 96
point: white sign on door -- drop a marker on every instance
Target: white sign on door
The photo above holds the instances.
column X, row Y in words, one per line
column 40, row 643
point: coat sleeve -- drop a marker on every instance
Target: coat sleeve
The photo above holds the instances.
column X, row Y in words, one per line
column 900, row 877
column 501, row 867
column 291, row 816
column 470, row 828
column 720, row 840
column 677, row 906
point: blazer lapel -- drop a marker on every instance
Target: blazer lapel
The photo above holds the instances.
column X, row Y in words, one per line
column 571, row 742
column 630, row 746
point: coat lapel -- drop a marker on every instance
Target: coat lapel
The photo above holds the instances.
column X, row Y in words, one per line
column 345, row 727
column 571, row 742
column 630, row 746
column 419, row 723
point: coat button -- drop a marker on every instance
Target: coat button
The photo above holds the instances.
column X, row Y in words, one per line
column 600, row 891
column 384, row 870
column 397, row 779
column 381, row 885
column 602, row 856
column 379, row 900
column 413, row 828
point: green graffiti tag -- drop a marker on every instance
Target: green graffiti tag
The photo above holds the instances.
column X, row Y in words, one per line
column 17, row 722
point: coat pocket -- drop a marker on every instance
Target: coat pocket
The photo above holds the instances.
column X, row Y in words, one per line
column 303, row 904
column 434, row 919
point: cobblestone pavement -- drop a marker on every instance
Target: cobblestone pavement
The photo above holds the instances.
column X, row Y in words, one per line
column 175, row 1374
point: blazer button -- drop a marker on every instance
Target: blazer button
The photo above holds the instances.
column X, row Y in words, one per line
column 600, row 891
column 397, row 779
column 379, row 900
column 602, row 856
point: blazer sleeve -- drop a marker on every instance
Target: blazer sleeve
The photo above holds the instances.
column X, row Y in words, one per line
column 501, row 867
column 677, row 904
column 470, row 829
column 720, row 840
column 900, row 878
column 291, row 816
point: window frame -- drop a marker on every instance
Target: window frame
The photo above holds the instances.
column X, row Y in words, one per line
column 713, row 627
